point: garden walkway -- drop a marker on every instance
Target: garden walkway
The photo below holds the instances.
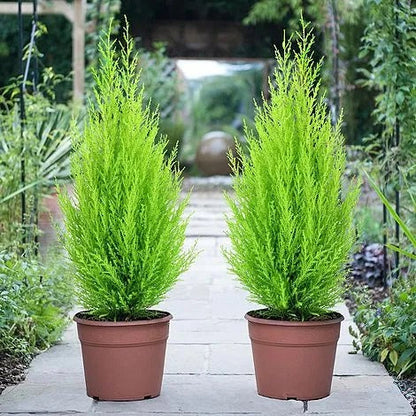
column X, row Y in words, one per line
column 209, row 368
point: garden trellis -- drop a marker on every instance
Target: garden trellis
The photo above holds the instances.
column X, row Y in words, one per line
column 75, row 13
column 389, row 40
column 42, row 134
column 24, row 72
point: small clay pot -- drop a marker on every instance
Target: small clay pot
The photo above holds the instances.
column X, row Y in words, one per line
column 123, row 360
column 294, row 360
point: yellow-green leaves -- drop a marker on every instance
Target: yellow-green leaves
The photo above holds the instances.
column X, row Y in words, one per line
column 124, row 229
column 291, row 224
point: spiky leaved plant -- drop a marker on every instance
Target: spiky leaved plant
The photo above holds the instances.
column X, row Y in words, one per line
column 291, row 224
column 124, row 226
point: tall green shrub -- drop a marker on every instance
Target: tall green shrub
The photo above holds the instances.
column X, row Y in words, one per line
column 125, row 226
column 35, row 298
column 389, row 43
column 291, row 228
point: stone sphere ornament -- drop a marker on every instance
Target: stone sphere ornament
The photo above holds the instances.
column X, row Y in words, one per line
column 211, row 155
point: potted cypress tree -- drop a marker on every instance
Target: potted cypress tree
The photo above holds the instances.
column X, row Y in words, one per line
column 291, row 229
column 124, row 233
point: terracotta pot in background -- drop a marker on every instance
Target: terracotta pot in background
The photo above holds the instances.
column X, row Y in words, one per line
column 123, row 360
column 212, row 153
column 294, row 360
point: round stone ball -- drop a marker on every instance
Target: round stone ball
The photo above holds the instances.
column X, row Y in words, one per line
column 211, row 155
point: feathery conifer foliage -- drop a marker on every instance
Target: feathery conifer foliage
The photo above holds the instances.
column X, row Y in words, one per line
column 291, row 228
column 124, row 227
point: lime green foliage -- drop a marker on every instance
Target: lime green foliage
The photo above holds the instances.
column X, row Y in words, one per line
column 388, row 329
column 125, row 230
column 34, row 302
column 291, row 231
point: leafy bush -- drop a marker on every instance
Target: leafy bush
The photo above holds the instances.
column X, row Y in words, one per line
column 389, row 43
column 125, row 230
column 369, row 225
column 388, row 330
column 34, row 301
column 291, row 231
column 34, row 296
column 44, row 147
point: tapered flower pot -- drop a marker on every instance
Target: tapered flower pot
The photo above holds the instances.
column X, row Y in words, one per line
column 294, row 360
column 123, row 360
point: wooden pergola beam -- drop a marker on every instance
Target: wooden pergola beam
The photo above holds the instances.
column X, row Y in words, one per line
column 75, row 13
column 55, row 7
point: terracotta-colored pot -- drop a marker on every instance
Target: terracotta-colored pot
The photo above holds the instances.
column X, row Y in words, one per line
column 294, row 360
column 123, row 360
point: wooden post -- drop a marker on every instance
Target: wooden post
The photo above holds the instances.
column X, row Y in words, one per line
column 75, row 13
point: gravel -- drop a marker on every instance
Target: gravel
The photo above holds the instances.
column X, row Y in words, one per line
column 408, row 388
column 12, row 369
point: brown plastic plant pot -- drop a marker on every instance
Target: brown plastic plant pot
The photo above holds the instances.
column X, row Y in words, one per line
column 294, row 360
column 123, row 360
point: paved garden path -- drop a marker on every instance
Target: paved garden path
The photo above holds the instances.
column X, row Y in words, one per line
column 209, row 368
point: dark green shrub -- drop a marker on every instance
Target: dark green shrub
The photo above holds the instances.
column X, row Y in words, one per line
column 34, row 301
column 388, row 329
column 125, row 226
column 368, row 223
column 44, row 148
column 291, row 229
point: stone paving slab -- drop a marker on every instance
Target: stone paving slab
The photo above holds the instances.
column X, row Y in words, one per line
column 61, row 361
column 193, row 359
column 209, row 368
column 209, row 332
column 52, row 394
column 349, row 364
column 188, row 310
column 364, row 396
column 216, row 395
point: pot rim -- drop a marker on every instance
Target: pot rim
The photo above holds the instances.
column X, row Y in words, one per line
column 276, row 322
column 90, row 322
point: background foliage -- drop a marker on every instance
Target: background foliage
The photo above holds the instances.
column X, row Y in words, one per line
column 390, row 42
column 161, row 91
column 220, row 102
column 44, row 146
column 388, row 329
column 35, row 292
column 267, row 22
column 55, row 47
column 34, row 301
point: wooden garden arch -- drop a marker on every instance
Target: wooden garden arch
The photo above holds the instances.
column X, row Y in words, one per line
column 75, row 13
